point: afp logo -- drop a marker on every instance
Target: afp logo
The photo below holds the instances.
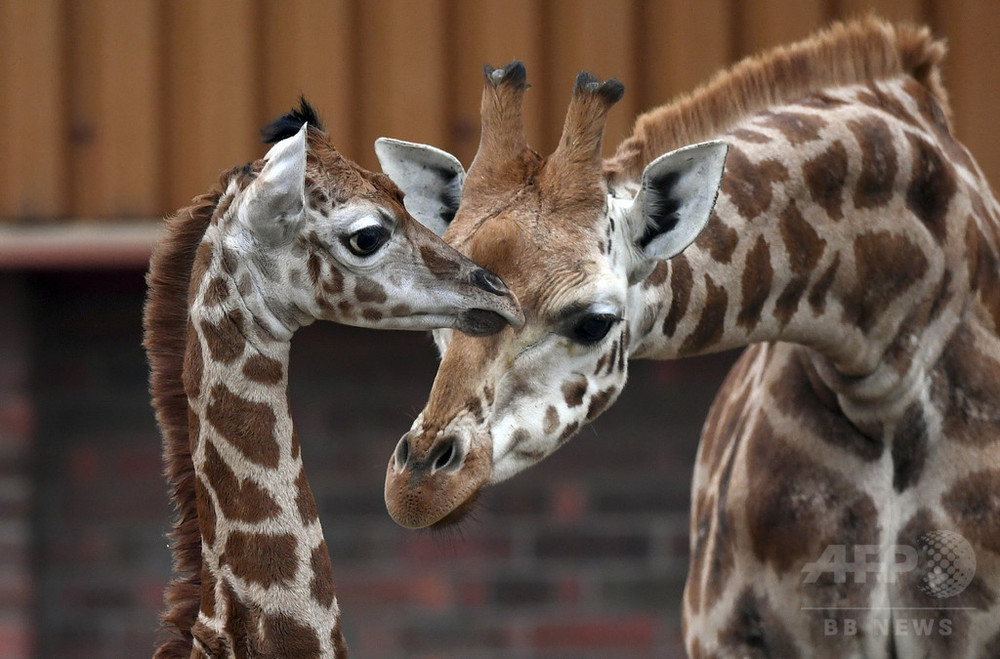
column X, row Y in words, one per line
column 945, row 559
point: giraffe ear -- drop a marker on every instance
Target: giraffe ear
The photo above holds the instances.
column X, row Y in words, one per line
column 676, row 199
column 431, row 180
column 273, row 203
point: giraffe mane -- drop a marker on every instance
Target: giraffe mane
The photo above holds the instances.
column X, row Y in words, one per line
column 165, row 319
column 843, row 54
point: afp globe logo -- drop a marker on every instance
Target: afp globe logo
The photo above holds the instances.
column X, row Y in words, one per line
column 950, row 566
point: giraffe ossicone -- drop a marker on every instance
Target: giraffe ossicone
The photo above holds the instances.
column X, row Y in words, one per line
column 854, row 249
column 300, row 235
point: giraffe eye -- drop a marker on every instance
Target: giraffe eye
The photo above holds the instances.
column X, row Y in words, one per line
column 366, row 241
column 593, row 327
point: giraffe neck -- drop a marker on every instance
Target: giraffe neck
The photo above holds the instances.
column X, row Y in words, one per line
column 267, row 585
column 841, row 226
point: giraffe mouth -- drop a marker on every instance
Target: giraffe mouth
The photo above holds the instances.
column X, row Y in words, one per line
column 482, row 322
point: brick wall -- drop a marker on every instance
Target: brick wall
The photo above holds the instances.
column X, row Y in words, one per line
column 583, row 555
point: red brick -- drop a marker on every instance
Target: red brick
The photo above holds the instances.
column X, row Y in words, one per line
column 635, row 632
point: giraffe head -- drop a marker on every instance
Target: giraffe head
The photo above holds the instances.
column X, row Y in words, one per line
column 575, row 252
column 320, row 237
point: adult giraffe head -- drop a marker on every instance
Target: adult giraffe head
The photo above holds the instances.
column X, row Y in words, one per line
column 574, row 250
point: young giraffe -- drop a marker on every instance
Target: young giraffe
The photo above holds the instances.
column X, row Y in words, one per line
column 855, row 246
column 299, row 235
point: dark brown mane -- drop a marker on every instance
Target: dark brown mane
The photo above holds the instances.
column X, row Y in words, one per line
column 843, row 54
column 165, row 338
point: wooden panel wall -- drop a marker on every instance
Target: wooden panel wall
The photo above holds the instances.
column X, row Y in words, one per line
column 128, row 108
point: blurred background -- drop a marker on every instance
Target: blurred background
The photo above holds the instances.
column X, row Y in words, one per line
column 116, row 112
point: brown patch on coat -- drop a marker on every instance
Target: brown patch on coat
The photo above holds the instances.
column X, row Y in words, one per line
column 247, row 425
column 681, row 281
column 268, row 560
column 792, row 520
column 265, row 370
column 797, row 128
column 573, row 391
column 973, row 504
column 321, row 585
column 909, row 448
column 225, row 341
column 748, row 184
column 238, row 499
column 367, row 290
column 931, row 188
column 819, row 290
column 879, row 162
column 825, row 176
column 711, row 323
column 756, row 281
column 887, row 266
column 304, row 500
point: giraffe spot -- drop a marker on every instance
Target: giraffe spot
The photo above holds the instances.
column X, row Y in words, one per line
column 367, row 290
column 792, row 520
column 345, row 309
column 295, row 445
column 225, row 341
column 626, row 338
column 599, row 402
column 334, row 283
column 209, row 639
column 966, row 392
column 876, row 98
column 748, row 135
column 887, row 265
column 819, row 291
column 246, row 425
column 314, row 266
column 804, row 248
column 216, row 292
column 876, row 181
column 748, row 185
column 719, row 239
column 551, row 422
column 568, row 432
column 321, row 585
column 371, row 315
column 304, row 500
column 712, row 321
column 573, row 391
column 681, row 282
column 440, row 265
column 973, row 504
column 931, row 188
column 797, row 128
column 802, row 242
column 605, row 360
column 910, row 593
column 657, row 276
column 909, row 448
column 207, row 590
column 401, row 310
column 799, row 393
column 825, row 176
column 984, row 263
column 242, row 500
column 287, row 637
column 193, row 363
column 230, row 263
column 265, row 370
column 755, row 629
column 268, row 560
column 206, row 512
column 822, row 101
column 756, row 284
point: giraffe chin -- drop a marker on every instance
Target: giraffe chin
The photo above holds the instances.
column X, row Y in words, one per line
column 461, row 513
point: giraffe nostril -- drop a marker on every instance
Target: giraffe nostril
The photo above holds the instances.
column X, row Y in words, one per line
column 446, row 453
column 402, row 453
column 488, row 281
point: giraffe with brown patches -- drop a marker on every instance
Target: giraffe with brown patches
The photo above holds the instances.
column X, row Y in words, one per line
column 854, row 247
column 301, row 234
